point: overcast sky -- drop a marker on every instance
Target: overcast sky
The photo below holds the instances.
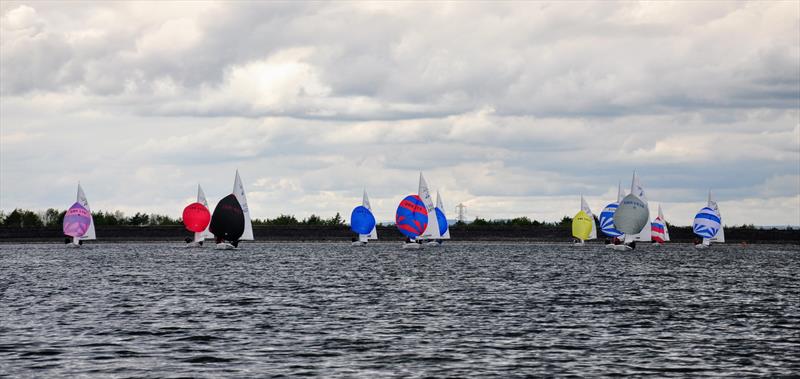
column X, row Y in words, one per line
column 514, row 109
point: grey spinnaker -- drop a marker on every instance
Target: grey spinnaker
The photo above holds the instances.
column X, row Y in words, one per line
column 632, row 215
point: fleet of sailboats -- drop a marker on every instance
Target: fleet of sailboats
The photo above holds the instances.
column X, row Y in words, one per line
column 422, row 221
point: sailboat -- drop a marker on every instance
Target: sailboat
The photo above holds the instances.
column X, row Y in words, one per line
column 230, row 222
column 412, row 219
column 78, row 221
column 197, row 219
column 708, row 225
column 632, row 216
column 362, row 222
column 607, row 218
column 658, row 229
column 583, row 227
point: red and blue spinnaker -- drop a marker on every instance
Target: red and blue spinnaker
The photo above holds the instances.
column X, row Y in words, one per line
column 411, row 217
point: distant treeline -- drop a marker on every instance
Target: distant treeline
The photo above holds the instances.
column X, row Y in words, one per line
column 22, row 218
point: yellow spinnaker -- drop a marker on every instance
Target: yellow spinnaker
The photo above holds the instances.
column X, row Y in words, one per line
column 581, row 226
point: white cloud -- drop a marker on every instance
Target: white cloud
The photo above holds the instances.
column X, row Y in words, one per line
column 514, row 108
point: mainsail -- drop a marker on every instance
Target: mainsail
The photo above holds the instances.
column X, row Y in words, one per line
column 441, row 218
column 90, row 233
column 238, row 191
column 373, row 234
column 607, row 215
column 636, row 188
column 720, row 237
column 432, row 230
column 201, row 198
column 588, row 212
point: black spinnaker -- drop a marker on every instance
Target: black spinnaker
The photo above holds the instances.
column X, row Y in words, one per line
column 227, row 222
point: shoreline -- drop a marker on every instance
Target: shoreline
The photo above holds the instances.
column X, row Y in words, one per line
column 341, row 233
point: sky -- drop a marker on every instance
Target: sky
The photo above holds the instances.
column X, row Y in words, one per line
column 511, row 108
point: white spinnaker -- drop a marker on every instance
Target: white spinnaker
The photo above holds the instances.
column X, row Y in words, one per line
column 440, row 206
column 238, row 191
column 638, row 190
column 90, row 234
column 585, row 209
column 720, row 236
column 432, row 231
column 373, row 235
column 201, row 198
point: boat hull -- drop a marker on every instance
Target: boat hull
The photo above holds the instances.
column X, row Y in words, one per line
column 192, row 245
column 358, row 244
column 700, row 246
column 224, row 246
column 622, row 248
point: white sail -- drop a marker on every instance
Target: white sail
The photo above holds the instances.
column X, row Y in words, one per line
column 585, row 209
column 90, row 234
column 440, row 207
column 201, row 198
column 373, row 235
column 432, row 231
column 720, row 236
column 238, row 191
column 638, row 190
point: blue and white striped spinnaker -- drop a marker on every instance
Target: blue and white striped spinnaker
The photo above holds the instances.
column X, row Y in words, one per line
column 707, row 223
column 607, row 220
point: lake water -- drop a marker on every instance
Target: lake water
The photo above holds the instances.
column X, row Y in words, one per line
column 465, row 310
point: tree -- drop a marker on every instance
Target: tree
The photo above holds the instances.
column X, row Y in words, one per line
column 139, row 219
column 20, row 218
column 50, row 217
column 336, row 220
column 480, row 222
column 283, row 220
column 313, row 220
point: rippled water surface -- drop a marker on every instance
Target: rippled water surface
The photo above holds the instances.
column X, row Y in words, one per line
column 478, row 310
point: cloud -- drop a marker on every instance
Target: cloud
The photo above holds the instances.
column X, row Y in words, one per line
column 513, row 108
